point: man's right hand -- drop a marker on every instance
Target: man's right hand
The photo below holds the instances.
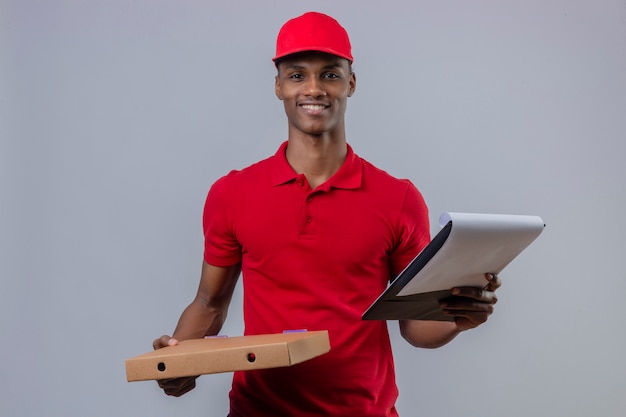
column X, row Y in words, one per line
column 174, row 386
column 204, row 316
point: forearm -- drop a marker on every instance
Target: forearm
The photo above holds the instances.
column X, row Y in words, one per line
column 428, row 334
column 199, row 319
column 207, row 313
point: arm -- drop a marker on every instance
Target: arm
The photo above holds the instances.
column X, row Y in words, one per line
column 207, row 312
column 203, row 317
column 428, row 334
column 470, row 307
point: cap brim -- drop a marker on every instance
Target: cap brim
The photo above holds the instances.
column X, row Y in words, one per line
column 308, row 49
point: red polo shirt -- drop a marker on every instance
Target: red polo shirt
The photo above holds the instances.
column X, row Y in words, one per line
column 316, row 259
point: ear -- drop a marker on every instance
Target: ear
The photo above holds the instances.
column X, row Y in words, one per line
column 352, row 84
column 277, row 90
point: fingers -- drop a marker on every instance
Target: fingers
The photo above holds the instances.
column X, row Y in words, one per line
column 467, row 313
column 164, row 341
column 494, row 282
column 467, row 308
column 177, row 386
column 474, row 303
column 471, row 306
column 486, row 294
column 482, row 295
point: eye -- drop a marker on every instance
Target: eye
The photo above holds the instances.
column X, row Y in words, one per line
column 331, row 76
column 296, row 76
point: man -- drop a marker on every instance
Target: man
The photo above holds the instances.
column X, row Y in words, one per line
column 318, row 233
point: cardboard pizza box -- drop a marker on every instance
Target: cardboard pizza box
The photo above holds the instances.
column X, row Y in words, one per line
column 226, row 354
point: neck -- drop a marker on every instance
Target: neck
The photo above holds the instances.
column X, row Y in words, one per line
column 318, row 158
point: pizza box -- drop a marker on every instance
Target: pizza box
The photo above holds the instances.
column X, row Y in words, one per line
column 226, row 354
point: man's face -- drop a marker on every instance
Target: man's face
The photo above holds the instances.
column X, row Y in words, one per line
column 314, row 88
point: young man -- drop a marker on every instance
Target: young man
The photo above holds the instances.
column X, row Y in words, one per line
column 318, row 233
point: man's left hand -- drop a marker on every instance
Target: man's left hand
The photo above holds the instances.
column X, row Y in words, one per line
column 472, row 306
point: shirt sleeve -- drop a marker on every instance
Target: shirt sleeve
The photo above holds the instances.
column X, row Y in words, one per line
column 413, row 229
column 221, row 247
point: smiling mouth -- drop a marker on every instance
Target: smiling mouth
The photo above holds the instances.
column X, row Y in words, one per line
column 313, row 107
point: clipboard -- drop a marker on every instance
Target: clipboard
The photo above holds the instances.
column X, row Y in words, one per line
column 468, row 246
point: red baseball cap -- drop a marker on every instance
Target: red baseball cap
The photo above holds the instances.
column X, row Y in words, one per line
column 313, row 32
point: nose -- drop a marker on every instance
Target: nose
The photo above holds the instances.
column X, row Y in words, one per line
column 314, row 88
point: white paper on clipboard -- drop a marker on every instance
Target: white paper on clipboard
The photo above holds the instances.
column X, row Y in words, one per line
column 468, row 246
column 477, row 244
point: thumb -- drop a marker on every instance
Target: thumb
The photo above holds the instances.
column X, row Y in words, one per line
column 164, row 341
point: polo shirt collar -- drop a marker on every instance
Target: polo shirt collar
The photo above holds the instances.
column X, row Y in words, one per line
column 348, row 176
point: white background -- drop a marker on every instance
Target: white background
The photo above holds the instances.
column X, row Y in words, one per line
column 116, row 116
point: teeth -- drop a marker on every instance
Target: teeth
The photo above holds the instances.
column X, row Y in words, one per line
column 313, row 106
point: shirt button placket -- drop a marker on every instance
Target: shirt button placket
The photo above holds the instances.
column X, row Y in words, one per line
column 308, row 227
